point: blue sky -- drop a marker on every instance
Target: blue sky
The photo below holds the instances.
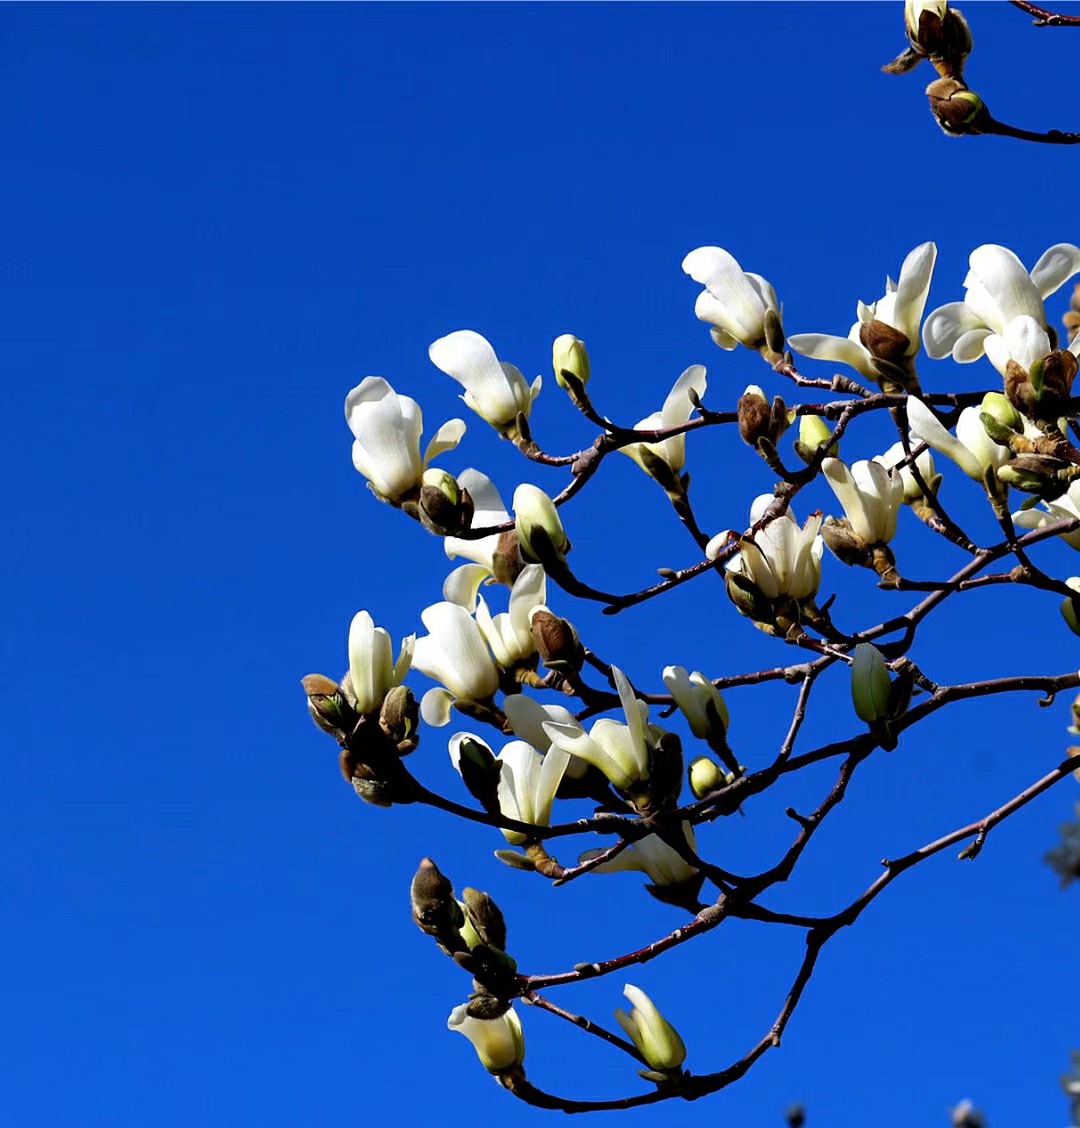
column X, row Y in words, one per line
column 217, row 220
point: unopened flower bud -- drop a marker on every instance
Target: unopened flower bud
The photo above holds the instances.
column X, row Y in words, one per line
column 557, row 642
column 432, row 897
column 327, row 705
column 399, row 718
column 706, row 776
column 814, row 433
column 870, row 683
column 479, row 769
column 485, row 917
column 698, row 700
column 953, row 105
column 506, row 561
column 843, row 543
column 570, row 359
column 999, row 409
column 753, row 411
column 540, row 533
column 445, row 508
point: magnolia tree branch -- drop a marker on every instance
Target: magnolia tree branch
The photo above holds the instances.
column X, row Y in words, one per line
column 570, row 727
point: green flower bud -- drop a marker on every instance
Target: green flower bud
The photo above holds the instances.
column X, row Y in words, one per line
column 814, row 433
column 1001, row 411
column 870, row 683
column 569, row 357
column 706, row 776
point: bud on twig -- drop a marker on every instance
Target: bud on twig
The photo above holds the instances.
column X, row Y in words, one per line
column 556, row 641
column 327, row 706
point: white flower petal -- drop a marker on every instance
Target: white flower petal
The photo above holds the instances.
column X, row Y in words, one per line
column 1056, row 266
column 946, row 325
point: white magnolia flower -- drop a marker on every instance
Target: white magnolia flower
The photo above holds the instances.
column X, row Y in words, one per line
column 1066, row 506
column 488, row 509
column 620, row 751
column 527, row 718
column 925, row 462
column 694, row 694
column 651, row 856
column 734, row 302
column 971, row 448
column 499, row 1042
column 656, row 1039
column 508, row 633
column 781, row 559
column 372, row 669
column 999, row 290
column 870, row 495
column 901, row 309
column 386, row 431
column 495, row 390
column 527, row 785
column 677, row 409
column 455, row 654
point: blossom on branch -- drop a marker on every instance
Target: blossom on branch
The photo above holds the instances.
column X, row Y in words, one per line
column 494, row 389
column 664, row 460
column 499, row 1042
column 883, row 342
column 971, row 448
column 1063, row 508
column 656, row 1039
column 734, row 302
column 372, row 669
column 782, row 559
column 454, row 653
column 386, row 431
column 871, row 497
column 999, row 289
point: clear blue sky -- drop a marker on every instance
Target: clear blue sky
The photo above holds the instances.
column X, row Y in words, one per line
column 219, row 218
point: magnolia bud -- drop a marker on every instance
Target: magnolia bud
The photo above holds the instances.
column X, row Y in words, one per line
column 753, row 411
column 399, row 718
column 433, row 906
column 706, row 776
column 445, row 508
column 814, row 433
column 843, row 543
column 479, row 769
column 1001, row 411
column 485, row 917
column 884, row 342
column 327, row 705
column 556, row 641
column 870, row 683
column 665, row 770
column 506, row 561
column 540, row 533
column 569, row 357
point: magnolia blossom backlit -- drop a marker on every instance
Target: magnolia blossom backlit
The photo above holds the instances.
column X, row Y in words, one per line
column 495, row 390
column 899, row 310
column 870, row 495
column 677, row 409
column 971, row 448
column 1063, row 508
column 783, row 559
column 999, row 290
column 734, row 302
column 454, row 653
column 652, row 856
column 656, row 1039
column 620, row 751
column 386, row 431
column 499, row 1042
column 372, row 669
column 698, row 700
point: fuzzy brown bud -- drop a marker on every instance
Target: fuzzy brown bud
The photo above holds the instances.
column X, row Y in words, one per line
column 556, row 641
column 434, row 908
column 327, row 705
column 486, row 918
column 399, row 718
